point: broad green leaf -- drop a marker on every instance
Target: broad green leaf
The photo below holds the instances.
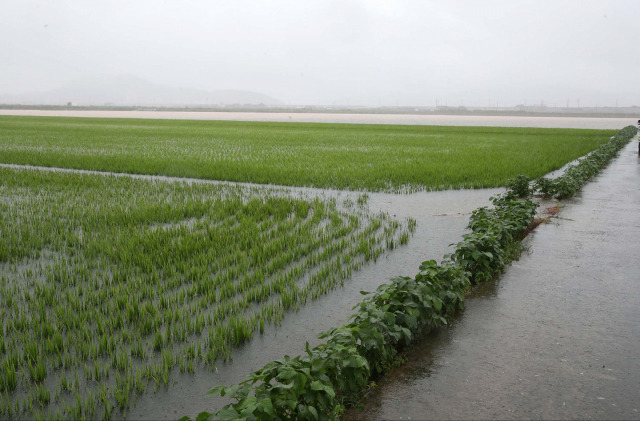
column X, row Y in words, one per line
column 313, row 411
column 266, row 405
column 225, row 414
column 437, row 304
column 317, row 386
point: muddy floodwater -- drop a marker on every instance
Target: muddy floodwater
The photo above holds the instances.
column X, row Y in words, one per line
column 411, row 119
column 556, row 337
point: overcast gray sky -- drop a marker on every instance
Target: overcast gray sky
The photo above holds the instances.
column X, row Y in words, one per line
column 368, row 52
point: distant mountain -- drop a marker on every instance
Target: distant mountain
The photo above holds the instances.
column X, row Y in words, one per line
column 131, row 90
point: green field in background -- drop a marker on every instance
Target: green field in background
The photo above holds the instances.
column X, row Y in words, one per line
column 391, row 158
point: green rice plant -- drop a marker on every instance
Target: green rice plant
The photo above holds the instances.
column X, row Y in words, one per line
column 37, row 371
column 42, row 396
column 140, row 383
column 158, row 341
column 31, row 352
column 411, row 225
column 65, row 385
column 8, row 377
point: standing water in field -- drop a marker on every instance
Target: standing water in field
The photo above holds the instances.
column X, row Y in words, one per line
column 156, row 281
column 109, row 284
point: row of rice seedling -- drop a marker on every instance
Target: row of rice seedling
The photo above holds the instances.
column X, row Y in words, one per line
column 318, row 385
column 108, row 285
column 343, row 156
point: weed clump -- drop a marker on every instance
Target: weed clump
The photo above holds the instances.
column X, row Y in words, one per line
column 519, row 186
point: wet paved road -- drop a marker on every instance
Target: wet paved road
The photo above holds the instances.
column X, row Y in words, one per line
column 557, row 337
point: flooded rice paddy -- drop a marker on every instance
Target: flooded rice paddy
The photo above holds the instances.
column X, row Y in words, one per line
column 442, row 217
column 441, row 220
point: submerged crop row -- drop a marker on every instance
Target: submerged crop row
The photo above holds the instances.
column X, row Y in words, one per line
column 344, row 156
column 110, row 284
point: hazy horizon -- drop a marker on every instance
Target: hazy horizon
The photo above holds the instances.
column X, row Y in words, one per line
column 371, row 53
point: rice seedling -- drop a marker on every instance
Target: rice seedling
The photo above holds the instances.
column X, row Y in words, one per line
column 8, row 379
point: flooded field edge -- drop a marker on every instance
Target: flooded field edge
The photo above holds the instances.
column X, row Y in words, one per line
column 552, row 338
